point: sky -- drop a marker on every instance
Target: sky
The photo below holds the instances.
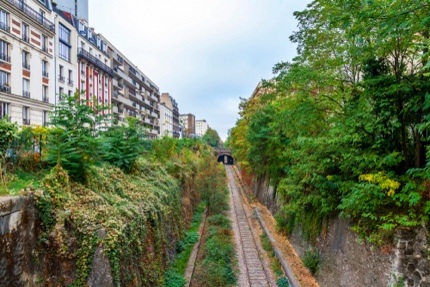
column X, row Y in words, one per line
column 206, row 53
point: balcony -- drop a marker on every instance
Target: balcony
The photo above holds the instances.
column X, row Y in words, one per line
column 4, row 57
column 44, row 48
column 26, row 66
column 45, row 74
column 26, row 94
column 70, row 82
column 4, row 88
column 4, row 27
column 33, row 14
column 82, row 54
column 26, row 122
column 45, row 99
column 25, row 38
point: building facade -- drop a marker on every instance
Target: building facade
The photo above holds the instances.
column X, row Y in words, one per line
column 201, row 127
column 26, row 61
column 173, row 105
column 66, row 58
column 94, row 72
column 134, row 94
column 77, row 8
column 189, row 123
column 166, row 121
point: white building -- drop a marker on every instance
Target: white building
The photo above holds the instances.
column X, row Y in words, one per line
column 201, row 127
column 26, row 61
column 66, row 59
column 166, row 121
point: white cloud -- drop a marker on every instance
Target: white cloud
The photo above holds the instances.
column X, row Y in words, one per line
column 204, row 53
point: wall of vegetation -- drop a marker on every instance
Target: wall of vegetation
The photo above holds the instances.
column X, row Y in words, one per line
column 111, row 204
column 344, row 128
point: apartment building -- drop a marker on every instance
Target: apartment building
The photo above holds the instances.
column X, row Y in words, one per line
column 166, row 121
column 189, row 124
column 171, row 103
column 26, row 61
column 66, row 58
column 201, row 127
column 77, row 8
column 133, row 93
column 94, row 72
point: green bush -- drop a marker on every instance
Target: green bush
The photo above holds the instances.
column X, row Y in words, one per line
column 283, row 282
column 312, row 260
column 173, row 279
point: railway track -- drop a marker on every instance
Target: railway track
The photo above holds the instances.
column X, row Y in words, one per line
column 253, row 272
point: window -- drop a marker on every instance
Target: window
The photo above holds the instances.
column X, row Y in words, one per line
column 44, row 43
column 4, row 21
column 69, row 93
column 70, row 80
column 4, row 110
column 25, row 32
column 61, row 77
column 60, row 94
column 26, row 60
column 44, row 68
column 64, row 42
column 25, row 88
column 4, row 82
column 4, row 51
column 82, row 69
column 25, row 115
column 45, row 97
column 45, row 118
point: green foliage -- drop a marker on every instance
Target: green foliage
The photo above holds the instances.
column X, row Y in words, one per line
column 8, row 132
column 75, row 142
column 122, row 145
column 283, row 282
column 212, row 138
column 174, row 279
column 343, row 129
column 312, row 260
column 217, row 247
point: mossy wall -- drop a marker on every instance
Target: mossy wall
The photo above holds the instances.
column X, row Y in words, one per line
column 116, row 230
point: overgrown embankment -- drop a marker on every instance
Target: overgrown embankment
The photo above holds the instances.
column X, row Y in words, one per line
column 342, row 131
column 110, row 205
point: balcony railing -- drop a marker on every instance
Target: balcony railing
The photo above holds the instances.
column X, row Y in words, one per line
column 87, row 56
column 132, row 70
column 4, row 27
column 26, row 94
column 4, row 88
column 25, row 38
column 45, row 99
column 4, row 57
column 33, row 14
column 26, row 66
column 44, row 48
column 61, row 79
column 45, row 74
column 26, row 122
column 115, row 95
column 70, row 82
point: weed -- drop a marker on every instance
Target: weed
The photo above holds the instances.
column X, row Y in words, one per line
column 312, row 260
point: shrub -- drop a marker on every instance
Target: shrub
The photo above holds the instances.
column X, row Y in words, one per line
column 312, row 260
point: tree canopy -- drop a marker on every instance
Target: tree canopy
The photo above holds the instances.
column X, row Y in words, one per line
column 212, row 138
column 344, row 127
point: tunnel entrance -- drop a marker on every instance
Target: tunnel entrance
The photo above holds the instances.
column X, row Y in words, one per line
column 226, row 159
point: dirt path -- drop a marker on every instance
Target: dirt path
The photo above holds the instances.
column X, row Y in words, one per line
column 254, row 272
